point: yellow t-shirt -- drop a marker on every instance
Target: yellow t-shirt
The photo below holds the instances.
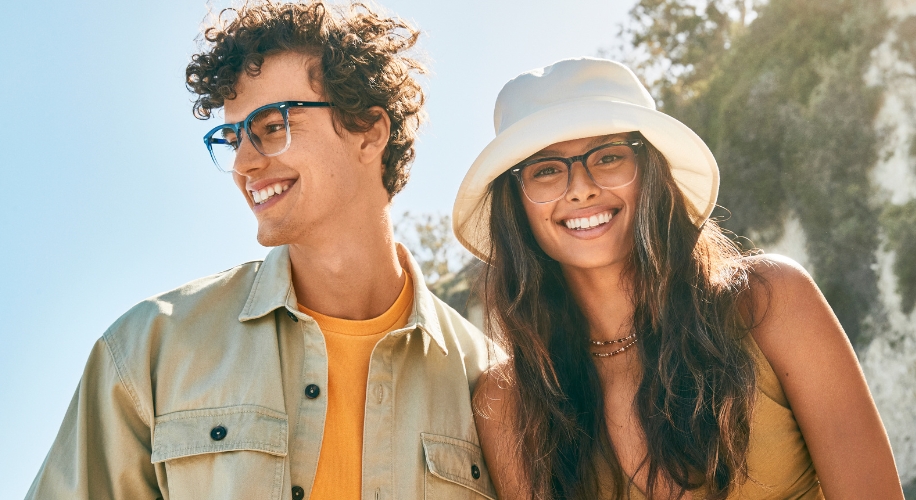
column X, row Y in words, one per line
column 350, row 344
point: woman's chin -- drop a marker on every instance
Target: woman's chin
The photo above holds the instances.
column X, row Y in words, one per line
column 589, row 260
column 590, row 254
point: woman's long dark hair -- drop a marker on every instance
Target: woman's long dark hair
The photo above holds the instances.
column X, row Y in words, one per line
column 696, row 394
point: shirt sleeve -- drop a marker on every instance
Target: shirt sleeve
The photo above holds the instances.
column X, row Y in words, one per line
column 102, row 450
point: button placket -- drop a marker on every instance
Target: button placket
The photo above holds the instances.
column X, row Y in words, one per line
column 377, row 473
column 312, row 406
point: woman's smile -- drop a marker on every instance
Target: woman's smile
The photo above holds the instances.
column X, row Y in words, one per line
column 585, row 226
column 589, row 222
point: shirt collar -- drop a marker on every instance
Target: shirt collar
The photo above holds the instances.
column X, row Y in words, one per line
column 273, row 288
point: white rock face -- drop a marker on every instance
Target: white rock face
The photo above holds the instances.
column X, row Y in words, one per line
column 889, row 361
column 793, row 243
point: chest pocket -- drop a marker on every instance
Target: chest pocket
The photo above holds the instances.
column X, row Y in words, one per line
column 455, row 470
column 236, row 452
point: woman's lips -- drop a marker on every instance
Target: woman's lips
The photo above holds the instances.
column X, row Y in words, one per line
column 591, row 221
column 595, row 220
column 589, row 227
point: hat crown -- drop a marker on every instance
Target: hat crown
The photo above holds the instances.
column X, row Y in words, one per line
column 564, row 81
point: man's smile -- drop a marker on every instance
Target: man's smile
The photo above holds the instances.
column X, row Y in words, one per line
column 260, row 193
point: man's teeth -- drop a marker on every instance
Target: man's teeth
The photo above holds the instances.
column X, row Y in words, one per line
column 265, row 194
column 589, row 222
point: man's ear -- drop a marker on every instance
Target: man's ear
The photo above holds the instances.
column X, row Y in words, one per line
column 375, row 140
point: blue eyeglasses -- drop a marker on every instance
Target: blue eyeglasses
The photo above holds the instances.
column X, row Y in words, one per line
column 266, row 127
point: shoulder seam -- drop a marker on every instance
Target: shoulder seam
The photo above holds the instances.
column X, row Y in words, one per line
column 122, row 376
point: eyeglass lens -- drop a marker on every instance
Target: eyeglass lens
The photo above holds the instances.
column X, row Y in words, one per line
column 269, row 133
column 610, row 167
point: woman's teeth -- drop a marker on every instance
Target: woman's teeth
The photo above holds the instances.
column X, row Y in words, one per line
column 266, row 193
column 589, row 222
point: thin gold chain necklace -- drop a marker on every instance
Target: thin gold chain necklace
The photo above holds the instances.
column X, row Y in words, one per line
column 631, row 337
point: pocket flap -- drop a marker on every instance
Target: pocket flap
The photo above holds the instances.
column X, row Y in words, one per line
column 211, row 430
column 457, row 461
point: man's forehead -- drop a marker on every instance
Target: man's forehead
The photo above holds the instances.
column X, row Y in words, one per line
column 282, row 77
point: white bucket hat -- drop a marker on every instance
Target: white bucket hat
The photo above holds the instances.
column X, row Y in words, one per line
column 574, row 99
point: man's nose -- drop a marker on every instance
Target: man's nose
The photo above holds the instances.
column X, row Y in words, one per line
column 248, row 159
column 581, row 185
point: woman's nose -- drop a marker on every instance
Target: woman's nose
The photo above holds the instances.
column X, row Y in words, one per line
column 581, row 185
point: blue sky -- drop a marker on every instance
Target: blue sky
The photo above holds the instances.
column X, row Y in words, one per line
column 110, row 196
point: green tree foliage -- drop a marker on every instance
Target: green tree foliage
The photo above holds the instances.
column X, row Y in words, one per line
column 432, row 243
column 783, row 104
column 680, row 43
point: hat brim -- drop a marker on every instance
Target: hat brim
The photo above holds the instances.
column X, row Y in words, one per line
column 692, row 164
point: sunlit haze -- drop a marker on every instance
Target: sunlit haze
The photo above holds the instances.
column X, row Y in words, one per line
column 111, row 197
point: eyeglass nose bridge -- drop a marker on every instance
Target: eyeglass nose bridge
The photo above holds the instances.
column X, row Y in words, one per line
column 255, row 140
column 242, row 152
column 238, row 129
column 570, row 164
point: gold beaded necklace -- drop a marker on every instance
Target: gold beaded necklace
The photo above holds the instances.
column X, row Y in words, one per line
column 612, row 342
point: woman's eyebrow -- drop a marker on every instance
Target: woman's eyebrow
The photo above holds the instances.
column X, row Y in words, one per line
column 597, row 141
column 544, row 153
column 604, row 139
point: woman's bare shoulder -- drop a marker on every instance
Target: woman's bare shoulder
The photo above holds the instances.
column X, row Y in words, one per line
column 786, row 301
column 779, row 286
column 778, row 269
column 817, row 368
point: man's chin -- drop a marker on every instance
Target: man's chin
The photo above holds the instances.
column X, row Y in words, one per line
column 270, row 237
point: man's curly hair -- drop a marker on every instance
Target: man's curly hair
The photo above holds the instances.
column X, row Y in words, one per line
column 363, row 63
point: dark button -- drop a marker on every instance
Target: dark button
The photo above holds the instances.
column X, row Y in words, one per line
column 475, row 471
column 298, row 493
column 312, row 391
column 295, row 319
column 218, row 433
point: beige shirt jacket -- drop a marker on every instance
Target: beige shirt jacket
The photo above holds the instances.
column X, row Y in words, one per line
column 213, row 390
